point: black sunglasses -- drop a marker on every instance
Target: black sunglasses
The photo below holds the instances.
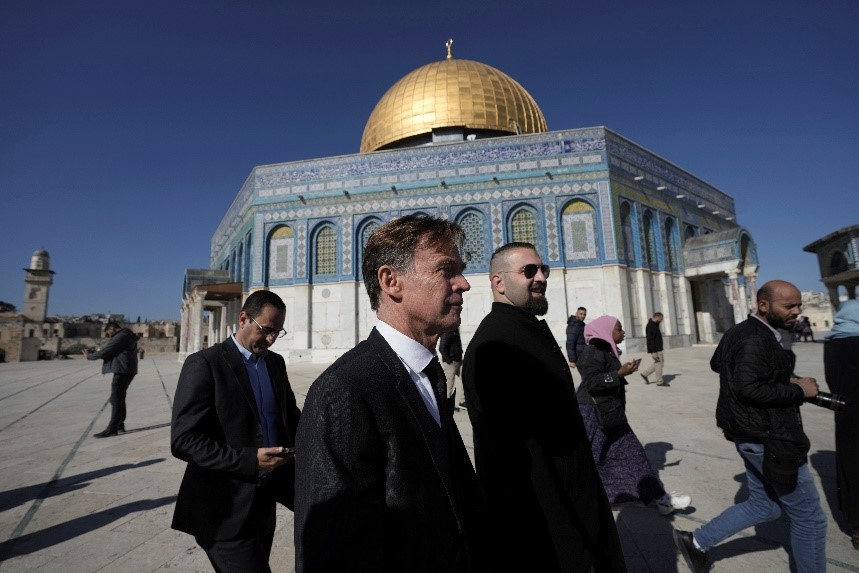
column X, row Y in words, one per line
column 530, row 271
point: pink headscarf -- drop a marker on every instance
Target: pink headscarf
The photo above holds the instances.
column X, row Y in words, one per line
column 603, row 329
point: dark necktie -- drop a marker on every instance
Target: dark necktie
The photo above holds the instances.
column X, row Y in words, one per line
column 438, row 381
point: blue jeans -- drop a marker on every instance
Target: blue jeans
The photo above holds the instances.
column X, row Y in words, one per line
column 765, row 503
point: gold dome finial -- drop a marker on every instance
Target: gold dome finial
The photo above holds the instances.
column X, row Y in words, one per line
column 448, row 44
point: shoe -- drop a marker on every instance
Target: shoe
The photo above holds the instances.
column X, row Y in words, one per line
column 109, row 432
column 120, row 429
column 696, row 559
column 663, row 384
column 646, row 381
column 463, row 405
column 670, row 502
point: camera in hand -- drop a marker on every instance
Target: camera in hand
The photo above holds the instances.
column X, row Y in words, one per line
column 826, row 400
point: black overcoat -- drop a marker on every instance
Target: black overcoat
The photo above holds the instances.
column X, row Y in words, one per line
column 379, row 485
column 841, row 364
column 545, row 500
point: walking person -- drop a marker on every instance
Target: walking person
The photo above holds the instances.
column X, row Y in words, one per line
column 654, row 347
column 841, row 364
column 576, row 335
column 383, row 479
column 450, row 349
column 807, row 330
column 758, row 410
column 120, row 358
column 621, row 460
column 234, row 423
column 547, row 508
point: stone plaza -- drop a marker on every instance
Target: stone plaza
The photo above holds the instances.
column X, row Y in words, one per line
column 73, row 503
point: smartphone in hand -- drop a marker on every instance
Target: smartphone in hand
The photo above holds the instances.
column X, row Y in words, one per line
column 285, row 451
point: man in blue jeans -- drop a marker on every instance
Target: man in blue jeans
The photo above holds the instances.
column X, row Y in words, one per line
column 758, row 409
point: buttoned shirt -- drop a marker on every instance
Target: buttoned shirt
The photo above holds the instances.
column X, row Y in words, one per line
column 264, row 394
column 415, row 357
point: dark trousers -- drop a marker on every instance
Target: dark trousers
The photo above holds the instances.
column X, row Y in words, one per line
column 250, row 551
column 118, row 390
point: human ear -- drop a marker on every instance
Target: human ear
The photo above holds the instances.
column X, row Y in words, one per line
column 390, row 281
column 497, row 282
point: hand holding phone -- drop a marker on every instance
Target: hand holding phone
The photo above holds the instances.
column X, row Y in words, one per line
column 285, row 451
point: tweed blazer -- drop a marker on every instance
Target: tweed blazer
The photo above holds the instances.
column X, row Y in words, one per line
column 379, row 485
column 216, row 429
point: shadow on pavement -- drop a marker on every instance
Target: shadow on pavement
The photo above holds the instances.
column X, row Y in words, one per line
column 22, row 495
column 54, row 535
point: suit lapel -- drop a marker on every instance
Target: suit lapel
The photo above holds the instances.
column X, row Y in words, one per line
column 434, row 436
column 277, row 374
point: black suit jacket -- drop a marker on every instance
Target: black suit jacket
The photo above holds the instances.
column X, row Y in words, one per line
column 216, row 429
column 379, row 485
column 546, row 504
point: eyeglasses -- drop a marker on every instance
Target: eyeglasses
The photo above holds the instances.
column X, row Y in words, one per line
column 269, row 332
column 530, row 271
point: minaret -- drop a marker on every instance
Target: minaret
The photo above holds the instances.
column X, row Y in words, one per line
column 37, row 283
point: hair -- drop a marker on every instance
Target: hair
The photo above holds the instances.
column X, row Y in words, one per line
column 394, row 244
column 113, row 324
column 582, row 308
column 500, row 254
column 257, row 300
column 656, row 314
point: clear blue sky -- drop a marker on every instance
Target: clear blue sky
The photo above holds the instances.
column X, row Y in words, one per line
column 127, row 128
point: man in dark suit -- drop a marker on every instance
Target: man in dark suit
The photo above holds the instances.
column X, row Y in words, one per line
column 544, row 495
column 383, row 480
column 120, row 358
column 234, row 416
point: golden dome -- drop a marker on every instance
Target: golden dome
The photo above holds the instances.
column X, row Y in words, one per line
column 451, row 93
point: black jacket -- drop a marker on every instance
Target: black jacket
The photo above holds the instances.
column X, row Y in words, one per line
column 450, row 347
column 756, row 398
column 119, row 353
column 654, row 336
column 216, row 429
column 575, row 338
column 379, row 485
column 547, row 505
column 598, row 367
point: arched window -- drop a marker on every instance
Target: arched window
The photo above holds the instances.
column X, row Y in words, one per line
column 649, row 239
column 688, row 232
column 670, row 245
column 474, row 249
column 366, row 231
column 577, row 222
column 240, row 263
column 249, row 241
column 627, row 249
column 837, row 264
column 281, row 254
column 523, row 227
column 325, row 259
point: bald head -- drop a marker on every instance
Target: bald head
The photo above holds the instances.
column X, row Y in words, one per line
column 779, row 303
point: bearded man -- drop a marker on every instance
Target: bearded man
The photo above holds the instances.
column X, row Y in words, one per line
column 534, row 464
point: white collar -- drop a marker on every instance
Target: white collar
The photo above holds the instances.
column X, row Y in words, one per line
column 411, row 352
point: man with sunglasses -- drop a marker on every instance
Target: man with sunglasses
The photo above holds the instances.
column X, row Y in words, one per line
column 234, row 422
column 532, row 455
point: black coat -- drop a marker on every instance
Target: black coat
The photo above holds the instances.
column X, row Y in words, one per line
column 575, row 338
column 534, row 463
column 450, row 347
column 841, row 364
column 379, row 485
column 654, row 336
column 216, row 429
column 756, row 398
column 599, row 366
column 119, row 353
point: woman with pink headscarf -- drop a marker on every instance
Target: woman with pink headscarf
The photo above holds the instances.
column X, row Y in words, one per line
column 623, row 466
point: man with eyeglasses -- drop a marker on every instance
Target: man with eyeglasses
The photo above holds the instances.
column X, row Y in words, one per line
column 532, row 455
column 234, row 422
